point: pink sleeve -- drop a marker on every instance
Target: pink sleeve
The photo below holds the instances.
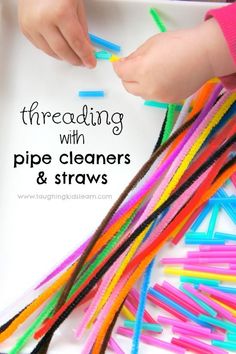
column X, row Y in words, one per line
column 226, row 18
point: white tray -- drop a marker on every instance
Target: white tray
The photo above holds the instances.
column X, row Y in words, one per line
column 37, row 234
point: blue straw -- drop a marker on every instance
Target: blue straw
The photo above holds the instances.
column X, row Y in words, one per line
column 196, row 235
column 224, row 289
column 228, row 208
column 213, row 220
column 224, row 236
column 104, row 43
column 204, row 242
column 87, row 94
column 201, row 217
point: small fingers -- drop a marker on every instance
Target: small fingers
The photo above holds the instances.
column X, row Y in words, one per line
column 76, row 38
column 60, row 47
column 128, row 68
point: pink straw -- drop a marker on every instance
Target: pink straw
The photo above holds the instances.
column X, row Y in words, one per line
column 176, row 299
column 211, row 254
column 198, row 260
column 218, row 293
column 212, row 270
column 186, row 332
column 151, row 341
column 218, row 248
column 166, row 307
column 184, row 325
column 232, row 266
column 188, row 346
column 202, row 345
column 183, row 296
column 221, row 310
column 115, row 347
column 133, row 298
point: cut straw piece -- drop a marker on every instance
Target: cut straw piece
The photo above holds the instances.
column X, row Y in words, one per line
column 220, row 277
column 218, row 323
column 151, row 340
column 201, row 303
column 184, row 325
column 203, row 345
column 157, row 20
column 225, row 345
column 216, row 306
column 145, row 326
column 207, row 336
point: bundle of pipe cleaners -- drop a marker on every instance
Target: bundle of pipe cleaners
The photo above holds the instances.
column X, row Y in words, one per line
column 193, row 159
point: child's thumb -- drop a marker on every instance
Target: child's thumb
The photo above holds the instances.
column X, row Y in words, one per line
column 126, row 68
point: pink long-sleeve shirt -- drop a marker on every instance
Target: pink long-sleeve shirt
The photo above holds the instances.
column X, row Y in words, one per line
column 226, row 18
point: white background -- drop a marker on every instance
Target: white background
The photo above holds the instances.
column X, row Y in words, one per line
column 36, row 234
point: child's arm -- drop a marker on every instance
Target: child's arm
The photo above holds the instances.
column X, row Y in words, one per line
column 171, row 66
column 59, row 28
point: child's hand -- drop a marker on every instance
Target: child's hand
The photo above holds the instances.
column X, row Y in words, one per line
column 171, row 66
column 59, row 28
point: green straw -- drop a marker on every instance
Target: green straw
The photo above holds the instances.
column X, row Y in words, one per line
column 157, row 20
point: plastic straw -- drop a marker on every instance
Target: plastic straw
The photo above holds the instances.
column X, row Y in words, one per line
column 203, row 345
column 104, row 43
column 87, row 94
column 201, row 217
column 186, row 332
column 201, row 303
column 225, row 345
column 214, row 270
column 145, row 326
column 218, row 323
column 174, row 305
column 214, row 254
column 213, row 220
column 151, row 341
column 189, row 346
column 200, row 241
column 181, row 295
column 202, row 260
column 217, row 307
column 198, row 281
column 184, row 325
column 225, row 236
column 166, row 307
column 221, row 277
column 217, row 293
column 114, row 346
column 229, row 248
